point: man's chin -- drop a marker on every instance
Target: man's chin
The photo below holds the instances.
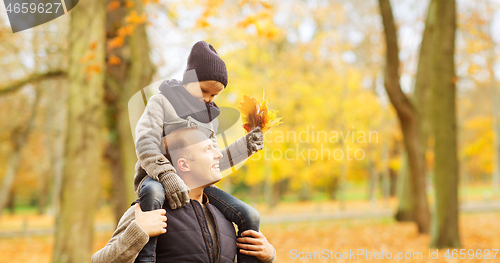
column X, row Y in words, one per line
column 208, row 183
column 216, row 175
column 217, row 180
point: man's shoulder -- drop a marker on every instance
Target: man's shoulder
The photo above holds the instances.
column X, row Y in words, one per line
column 127, row 217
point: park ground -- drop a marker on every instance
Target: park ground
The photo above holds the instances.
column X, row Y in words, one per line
column 294, row 227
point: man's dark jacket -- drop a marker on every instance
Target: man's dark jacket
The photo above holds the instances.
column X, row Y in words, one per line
column 188, row 238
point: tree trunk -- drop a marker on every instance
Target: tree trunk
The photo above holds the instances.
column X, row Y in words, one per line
column 422, row 89
column 83, row 149
column 43, row 191
column 445, row 221
column 332, row 188
column 386, row 183
column 408, row 119
column 463, row 174
column 373, row 182
column 393, row 177
column 406, row 206
column 281, row 188
column 11, row 202
column 56, row 125
column 496, row 111
column 19, row 138
column 304, row 193
column 133, row 73
column 10, row 173
column 269, row 185
column 393, row 174
column 496, row 144
column 341, row 196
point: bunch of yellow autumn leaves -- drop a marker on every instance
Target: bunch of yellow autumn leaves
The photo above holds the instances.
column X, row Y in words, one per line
column 256, row 113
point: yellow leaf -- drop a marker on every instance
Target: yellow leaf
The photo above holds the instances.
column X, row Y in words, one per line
column 256, row 114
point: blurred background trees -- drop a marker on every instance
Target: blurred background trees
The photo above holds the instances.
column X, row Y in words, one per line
column 128, row 69
column 84, row 143
column 322, row 64
column 409, row 119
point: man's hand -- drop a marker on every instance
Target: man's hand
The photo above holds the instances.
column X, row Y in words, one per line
column 254, row 243
column 255, row 140
column 152, row 222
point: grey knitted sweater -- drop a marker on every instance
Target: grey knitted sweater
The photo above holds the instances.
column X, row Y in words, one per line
column 158, row 115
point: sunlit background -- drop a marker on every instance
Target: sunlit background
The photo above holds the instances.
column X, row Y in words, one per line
column 331, row 176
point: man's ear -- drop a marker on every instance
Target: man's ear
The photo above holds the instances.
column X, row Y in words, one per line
column 183, row 165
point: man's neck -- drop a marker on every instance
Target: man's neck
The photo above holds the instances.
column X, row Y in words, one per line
column 197, row 194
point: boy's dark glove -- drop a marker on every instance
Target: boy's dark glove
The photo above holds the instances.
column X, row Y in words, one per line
column 176, row 191
column 255, row 140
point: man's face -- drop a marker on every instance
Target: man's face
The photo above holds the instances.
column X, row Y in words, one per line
column 204, row 163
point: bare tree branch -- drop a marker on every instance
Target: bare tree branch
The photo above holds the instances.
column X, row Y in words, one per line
column 10, row 88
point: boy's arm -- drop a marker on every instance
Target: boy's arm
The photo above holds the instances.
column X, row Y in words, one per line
column 233, row 154
column 149, row 134
column 149, row 147
column 125, row 244
column 241, row 149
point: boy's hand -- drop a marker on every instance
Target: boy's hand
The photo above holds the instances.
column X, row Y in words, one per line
column 176, row 191
column 152, row 222
column 255, row 140
column 255, row 244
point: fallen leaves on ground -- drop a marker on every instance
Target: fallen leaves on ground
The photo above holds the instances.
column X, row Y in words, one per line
column 478, row 231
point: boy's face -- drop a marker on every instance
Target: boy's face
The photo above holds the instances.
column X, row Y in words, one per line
column 205, row 91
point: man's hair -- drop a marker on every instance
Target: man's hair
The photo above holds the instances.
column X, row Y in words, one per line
column 177, row 144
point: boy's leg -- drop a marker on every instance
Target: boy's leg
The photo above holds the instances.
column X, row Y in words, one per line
column 151, row 197
column 235, row 210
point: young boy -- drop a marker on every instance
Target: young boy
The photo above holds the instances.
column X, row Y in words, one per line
column 189, row 104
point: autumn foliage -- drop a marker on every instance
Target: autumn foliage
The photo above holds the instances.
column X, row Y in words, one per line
column 257, row 114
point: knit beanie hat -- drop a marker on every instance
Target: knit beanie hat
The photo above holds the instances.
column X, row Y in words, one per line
column 206, row 63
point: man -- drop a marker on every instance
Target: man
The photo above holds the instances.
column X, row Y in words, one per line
column 210, row 238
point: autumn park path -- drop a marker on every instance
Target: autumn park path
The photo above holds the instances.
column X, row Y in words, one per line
column 469, row 207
